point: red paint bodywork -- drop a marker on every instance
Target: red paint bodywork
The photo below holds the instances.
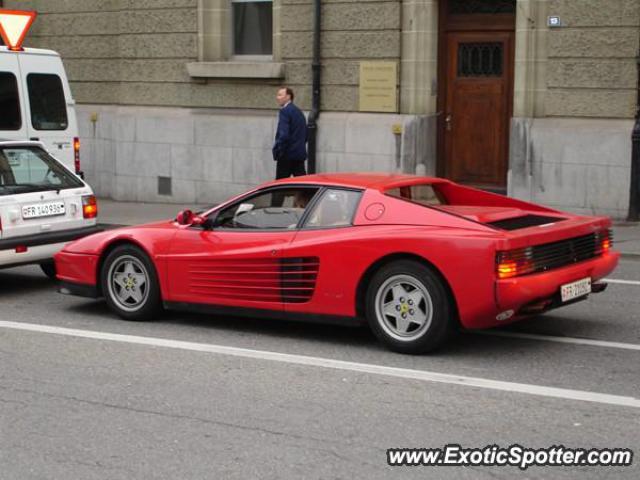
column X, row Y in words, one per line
column 240, row 268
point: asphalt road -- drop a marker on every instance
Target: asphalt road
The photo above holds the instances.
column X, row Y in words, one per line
column 76, row 403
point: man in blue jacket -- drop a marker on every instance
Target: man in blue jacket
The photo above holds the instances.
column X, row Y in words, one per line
column 289, row 149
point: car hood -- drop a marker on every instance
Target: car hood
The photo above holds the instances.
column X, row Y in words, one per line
column 153, row 237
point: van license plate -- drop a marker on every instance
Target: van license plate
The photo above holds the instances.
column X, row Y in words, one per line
column 43, row 210
column 575, row 289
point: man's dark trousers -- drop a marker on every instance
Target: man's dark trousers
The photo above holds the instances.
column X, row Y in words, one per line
column 285, row 168
column 289, row 149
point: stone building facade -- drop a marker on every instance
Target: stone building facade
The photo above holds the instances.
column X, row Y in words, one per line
column 534, row 98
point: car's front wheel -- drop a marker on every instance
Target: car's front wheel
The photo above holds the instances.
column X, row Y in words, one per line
column 408, row 308
column 130, row 284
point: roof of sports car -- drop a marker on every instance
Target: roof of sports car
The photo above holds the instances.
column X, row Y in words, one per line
column 378, row 181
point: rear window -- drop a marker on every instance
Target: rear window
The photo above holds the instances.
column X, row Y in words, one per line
column 423, row 194
column 31, row 169
column 10, row 119
column 48, row 105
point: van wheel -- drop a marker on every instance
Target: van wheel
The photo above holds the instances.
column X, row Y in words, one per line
column 130, row 284
column 408, row 308
column 49, row 269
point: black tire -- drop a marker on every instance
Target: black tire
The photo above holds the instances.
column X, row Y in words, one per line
column 409, row 320
column 131, row 298
column 49, row 269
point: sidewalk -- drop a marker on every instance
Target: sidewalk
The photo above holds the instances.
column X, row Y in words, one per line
column 626, row 238
column 626, row 235
column 132, row 213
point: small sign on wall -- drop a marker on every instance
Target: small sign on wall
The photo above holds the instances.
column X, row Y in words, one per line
column 379, row 87
column 554, row 21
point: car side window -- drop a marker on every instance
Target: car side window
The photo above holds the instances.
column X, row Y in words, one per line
column 335, row 209
column 9, row 102
column 280, row 208
column 423, row 194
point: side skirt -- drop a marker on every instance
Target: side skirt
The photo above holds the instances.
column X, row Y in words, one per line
column 262, row 313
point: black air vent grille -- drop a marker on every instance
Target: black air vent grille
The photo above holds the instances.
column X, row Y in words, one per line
column 525, row 221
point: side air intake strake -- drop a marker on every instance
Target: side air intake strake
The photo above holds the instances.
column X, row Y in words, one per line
column 291, row 280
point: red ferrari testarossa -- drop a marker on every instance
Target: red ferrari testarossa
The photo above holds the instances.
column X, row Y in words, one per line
column 415, row 257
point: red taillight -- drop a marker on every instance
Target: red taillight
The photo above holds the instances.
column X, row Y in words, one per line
column 511, row 263
column 76, row 154
column 89, row 206
column 507, row 269
column 604, row 239
column 21, row 249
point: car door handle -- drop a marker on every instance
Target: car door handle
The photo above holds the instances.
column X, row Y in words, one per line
column 35, row 139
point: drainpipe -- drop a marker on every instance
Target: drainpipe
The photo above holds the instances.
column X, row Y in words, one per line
column 315, row 100
column 634, row 193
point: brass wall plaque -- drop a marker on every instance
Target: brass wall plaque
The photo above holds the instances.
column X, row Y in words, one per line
column 378, row 87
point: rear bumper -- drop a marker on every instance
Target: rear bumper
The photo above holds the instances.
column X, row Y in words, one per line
column 521, row 294
column 38, row 254
column 63, row 236
column 39, row 248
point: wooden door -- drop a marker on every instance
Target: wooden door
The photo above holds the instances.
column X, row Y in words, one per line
column 478, row 107
column 475, row 90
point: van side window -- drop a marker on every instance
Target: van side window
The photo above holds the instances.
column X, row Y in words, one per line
column 9, row 102
column 48, row 105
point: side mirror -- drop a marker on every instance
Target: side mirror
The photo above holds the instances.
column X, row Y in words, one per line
column 185, row 217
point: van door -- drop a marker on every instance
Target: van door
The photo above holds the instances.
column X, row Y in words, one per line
column 13, row 124
column 48, row 104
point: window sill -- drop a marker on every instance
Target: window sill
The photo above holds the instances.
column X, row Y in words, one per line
column 235, row 69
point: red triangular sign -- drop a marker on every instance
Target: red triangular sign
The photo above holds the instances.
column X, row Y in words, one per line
column 14, row 25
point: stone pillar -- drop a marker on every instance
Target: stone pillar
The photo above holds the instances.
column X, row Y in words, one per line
column 419, row 64
column 214, row 20
column 530, row 58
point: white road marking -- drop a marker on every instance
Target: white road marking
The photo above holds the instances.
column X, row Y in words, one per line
column 575, row 341
column 420, row 375
column 549, row 338
column 622, row 282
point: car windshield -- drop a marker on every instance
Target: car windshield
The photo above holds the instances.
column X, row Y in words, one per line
column 31, row 169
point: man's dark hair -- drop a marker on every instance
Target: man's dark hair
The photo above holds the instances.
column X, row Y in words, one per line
column 289, row 92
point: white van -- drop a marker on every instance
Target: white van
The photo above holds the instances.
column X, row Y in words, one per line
column 36, row 103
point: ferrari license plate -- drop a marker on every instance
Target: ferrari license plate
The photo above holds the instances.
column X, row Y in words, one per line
column 575, row 289
column 43, row 210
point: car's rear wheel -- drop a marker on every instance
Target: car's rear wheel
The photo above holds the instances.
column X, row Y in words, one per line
column 408, row 308
column 130, row 284
column 49, row 269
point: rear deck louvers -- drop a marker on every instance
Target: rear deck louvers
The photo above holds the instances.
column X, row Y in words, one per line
column 524, row 222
